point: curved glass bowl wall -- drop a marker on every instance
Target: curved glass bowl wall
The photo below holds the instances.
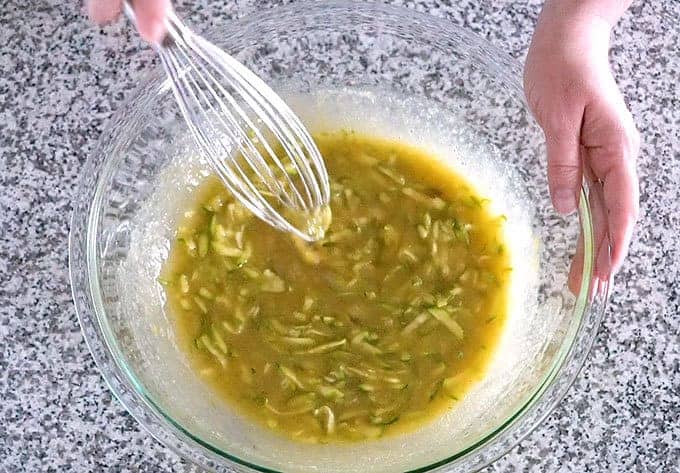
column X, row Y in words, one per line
column 430, row 83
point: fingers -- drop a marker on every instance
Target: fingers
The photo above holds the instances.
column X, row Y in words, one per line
column 613, row 162
column 621, row 194
column 150, row 17
column 600, row 245
column 600, row 226
column 103, row 11
column 602, row 271
column 564, row 163
column 576, row 269
column 597, row 286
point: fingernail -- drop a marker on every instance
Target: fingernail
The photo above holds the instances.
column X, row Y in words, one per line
column 564, row 201
column 158, row 33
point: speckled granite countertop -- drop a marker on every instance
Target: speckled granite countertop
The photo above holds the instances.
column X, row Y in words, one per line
column 60, row 79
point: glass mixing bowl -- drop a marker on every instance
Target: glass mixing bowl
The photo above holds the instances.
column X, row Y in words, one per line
column 381, row 70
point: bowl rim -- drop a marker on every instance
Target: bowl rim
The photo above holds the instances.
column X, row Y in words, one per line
column 132, row 395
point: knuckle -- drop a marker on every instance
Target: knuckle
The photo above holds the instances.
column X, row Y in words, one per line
column 621, row 149
column 556, row 110
column 572, row 87
column 561, row 173
column 559, row 127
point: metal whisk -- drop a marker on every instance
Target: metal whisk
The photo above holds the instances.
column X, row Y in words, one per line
column 253, row 140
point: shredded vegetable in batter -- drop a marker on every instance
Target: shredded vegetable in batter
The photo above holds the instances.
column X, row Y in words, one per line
column 375, row 329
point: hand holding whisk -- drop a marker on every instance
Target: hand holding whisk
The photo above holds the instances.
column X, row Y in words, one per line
column 253, row 140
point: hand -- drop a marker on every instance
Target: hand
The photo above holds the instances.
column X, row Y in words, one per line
column 150, row 15
column 589, row 131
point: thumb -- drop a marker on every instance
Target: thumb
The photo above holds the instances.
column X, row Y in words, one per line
column 150, row 17
column 103, row 11
column 564, row 163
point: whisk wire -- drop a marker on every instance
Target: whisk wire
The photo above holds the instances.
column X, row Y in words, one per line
column 262, row 107
column 260, row 166
column 245, row 145
column 255, row 142
column 283, row 133
column 235, row 179
column 208, row 145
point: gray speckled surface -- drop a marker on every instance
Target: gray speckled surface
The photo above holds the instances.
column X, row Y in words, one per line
column 60, row 79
